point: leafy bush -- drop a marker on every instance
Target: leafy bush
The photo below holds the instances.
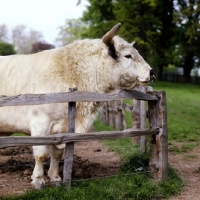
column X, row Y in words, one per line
column 6, row 49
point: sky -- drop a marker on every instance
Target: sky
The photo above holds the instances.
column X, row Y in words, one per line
column 45, row 16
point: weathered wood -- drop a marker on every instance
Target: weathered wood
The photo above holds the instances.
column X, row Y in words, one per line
column 36, row 99
column 113, row 114
column 106, row 121
column 136, row 118
column 157, row 113
column 62, row 138
column 119, row 115
column 127, row 107
column 110, row 114
column 68, row 163
column 104, row 113
column 121, row 108
column 143, row 121
column 69, row 148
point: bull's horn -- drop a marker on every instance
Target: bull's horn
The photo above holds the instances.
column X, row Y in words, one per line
column 133, row 43
column 110, row 34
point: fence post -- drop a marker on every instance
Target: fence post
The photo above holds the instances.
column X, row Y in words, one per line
column 136, row 118
column 157, row 113
column 104, row 114
column 69, row 148
column 139, row 119
column 110, row 114
column 143, row 121
column 113, row 114
column 119, row 116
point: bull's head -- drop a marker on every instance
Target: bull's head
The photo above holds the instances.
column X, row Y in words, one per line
column 131, row 67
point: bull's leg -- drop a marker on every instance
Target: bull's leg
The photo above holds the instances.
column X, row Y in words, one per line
column 40, row 154
column 40, row 126
column 56, row 155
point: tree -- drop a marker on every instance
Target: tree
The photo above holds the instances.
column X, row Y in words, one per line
column 187, row 17
column 41, row 46
column 3, row 33
column 167, row 31
column 149, row 22
column 99, row 17
column 164, row 46
column 6, row 49
column 70, row 31
column 23, row 39
column 139, row 24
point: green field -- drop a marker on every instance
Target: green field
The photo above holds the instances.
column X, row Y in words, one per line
column 183, row 108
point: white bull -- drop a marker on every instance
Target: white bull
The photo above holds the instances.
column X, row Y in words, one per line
column 100, row 65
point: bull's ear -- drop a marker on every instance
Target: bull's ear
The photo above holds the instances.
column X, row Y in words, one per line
column 112, row 52
column 107, row 38
column 133, row 43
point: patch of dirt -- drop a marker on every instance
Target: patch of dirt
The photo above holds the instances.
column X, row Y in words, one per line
column 187, row 166
column 91, row 160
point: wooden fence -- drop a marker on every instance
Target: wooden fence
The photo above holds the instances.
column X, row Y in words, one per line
column 157, row 116
column 113, row 114
column 179, row 78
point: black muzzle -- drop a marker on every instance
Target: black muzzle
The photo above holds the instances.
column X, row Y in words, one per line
column 152, row 75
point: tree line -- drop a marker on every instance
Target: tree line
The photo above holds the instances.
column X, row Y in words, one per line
column 167, row 32
column 21, row 41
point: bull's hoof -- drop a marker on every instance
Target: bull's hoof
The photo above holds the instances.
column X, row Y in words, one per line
column 38, row 183
column 56, row 179
column 58, row 184
column 38, row 186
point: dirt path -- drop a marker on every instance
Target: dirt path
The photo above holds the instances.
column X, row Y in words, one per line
column 91, row 160
column 187, row 166
column 16, row 165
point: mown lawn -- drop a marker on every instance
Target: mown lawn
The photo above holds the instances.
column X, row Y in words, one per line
column 183, row 110
column 183, row 107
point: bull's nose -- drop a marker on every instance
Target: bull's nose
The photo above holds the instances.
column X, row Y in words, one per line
column 152, row 75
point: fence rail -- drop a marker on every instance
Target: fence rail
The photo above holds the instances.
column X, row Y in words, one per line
column 36, row 99
column 62, row 138
column 157, row 118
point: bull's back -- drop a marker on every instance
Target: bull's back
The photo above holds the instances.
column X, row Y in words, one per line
column 23, row 74
column 18, row 73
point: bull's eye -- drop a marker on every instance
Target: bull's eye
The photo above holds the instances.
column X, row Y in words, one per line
column 128, row 56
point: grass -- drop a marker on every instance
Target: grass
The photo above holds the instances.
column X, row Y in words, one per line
column 138, row 187
column 130, row 183
column 183, row 148
column 183, row 109
column 183, row 127
column 190, row 156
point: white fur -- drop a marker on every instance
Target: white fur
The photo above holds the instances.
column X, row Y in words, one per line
column 84, row 64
